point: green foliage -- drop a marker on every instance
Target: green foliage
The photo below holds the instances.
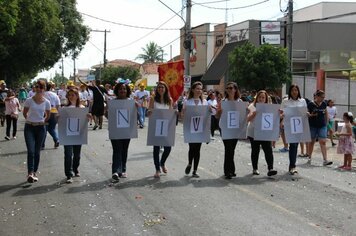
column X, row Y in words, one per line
column 264, row 67
column 58, row 79
column 111, row 74
column 152, row 53
column 37, row 36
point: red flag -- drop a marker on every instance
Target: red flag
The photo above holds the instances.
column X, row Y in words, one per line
column 172, row 74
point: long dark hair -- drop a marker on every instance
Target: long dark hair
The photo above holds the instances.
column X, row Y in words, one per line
column 75, row 91
column 290, row 91
column 237, row 93
column 166, row 96
column 191, row 94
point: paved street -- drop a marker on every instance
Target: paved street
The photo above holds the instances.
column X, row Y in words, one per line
column 318, row 201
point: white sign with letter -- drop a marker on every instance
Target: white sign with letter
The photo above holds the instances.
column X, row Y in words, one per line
column 73, row 126
column 196, row 124
column 122, row 119
column 162, row 128
column 296, row 125
column 267, row 122
column 233, row 122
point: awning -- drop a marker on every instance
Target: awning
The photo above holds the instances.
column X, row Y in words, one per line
column 220, row 65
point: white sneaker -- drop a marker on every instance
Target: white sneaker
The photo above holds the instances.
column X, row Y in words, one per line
column 327, row 163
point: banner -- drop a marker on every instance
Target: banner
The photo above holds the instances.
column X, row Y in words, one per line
column 233, row 123
column 296, row 125
column 267, row 122
column 196, row 124
column 122, row 119
column 162, row 128
column 172, row 74
column 73, row 126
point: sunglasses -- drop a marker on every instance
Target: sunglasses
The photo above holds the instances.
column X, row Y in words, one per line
column 39, row 86
column 229, row 87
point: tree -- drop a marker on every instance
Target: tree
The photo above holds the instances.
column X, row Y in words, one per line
column 37, row 35
column 111, row 74
column 152, row 53
column 58, row 79
column 264, row 67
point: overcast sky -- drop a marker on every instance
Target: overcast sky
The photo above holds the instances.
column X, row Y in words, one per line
column 134, row 23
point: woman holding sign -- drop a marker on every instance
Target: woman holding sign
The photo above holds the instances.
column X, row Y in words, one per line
column 161, row 100
column 231, row 94
column 294, row 100
column 120, row 146
column 261, row 97
column 72, row 152
column 195, row 98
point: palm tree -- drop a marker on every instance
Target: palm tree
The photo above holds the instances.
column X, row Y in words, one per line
column 152, row 53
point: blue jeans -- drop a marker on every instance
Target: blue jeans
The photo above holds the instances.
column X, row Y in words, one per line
column 71, row 159
column 34, row 136
column 119, row 156
column 141, row 115
column 293, row 150
column 51, row 128
column 165, row 155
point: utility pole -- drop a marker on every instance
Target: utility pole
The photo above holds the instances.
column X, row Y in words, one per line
column 103, row 31
column 290, row 35
column 62, row 69
column 74, row 80
column 188, row 39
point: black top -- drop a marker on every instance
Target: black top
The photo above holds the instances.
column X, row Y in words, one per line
column 319, row 120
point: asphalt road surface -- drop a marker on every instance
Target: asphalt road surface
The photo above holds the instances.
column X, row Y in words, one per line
column 318, row 201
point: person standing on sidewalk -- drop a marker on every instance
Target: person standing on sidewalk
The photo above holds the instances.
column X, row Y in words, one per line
column 161, row 100
column 232, row 93
column 36, row 112
column 346, row 144
column 261, row 97
column 53, row 98
column 318, row 118
column 195, row 98
column 214, row 124
column 12, row 108
column 72, row 152
column 294, row 100
column 332, row 112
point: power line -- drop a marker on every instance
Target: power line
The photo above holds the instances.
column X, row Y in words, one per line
column 127, row 25
column 230, row 8
column 144, row 36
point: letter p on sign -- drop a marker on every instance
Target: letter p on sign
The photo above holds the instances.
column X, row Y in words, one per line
column 296, row 125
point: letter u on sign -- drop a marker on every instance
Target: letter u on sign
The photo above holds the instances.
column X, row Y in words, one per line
column 73, row 128
column 267, row 121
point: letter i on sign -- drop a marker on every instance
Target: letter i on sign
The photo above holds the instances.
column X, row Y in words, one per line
column 73, row 128
column 161, row 128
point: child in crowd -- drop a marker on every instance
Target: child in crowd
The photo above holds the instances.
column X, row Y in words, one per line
column 346, row 145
